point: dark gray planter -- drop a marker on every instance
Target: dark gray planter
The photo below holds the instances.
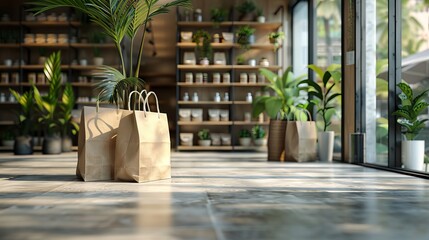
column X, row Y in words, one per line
column 66, row 144
column 51, row 145
column 23, row 145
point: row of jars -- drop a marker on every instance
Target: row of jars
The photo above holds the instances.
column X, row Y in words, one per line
column 226, row 78
column 5, row 98
column 217, row 97
column 46, row 38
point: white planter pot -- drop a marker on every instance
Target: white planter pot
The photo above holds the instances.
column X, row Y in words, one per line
column 98, row 61
column 325, row 144
column 245, row 141
column 260, row 142
column 204, row 143
column 261, row 19
column 204, row 62
column 413, row 153
column 8, row 143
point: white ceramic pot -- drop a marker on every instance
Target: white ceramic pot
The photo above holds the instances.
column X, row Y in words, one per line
column 204, row 143
column 204, row 62
column 245, row 141
column 261, row 19
column 325, row 144
column 260, row 142
column 413, row 153
column 98, row 61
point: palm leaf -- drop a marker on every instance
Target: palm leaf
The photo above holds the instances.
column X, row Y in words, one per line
column 319, row 71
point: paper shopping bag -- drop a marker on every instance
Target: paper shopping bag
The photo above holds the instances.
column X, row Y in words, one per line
column 300, row 141
column 96, row 143
column 143, row 146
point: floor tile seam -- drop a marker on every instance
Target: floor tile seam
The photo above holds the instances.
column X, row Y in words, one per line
column 217, row 229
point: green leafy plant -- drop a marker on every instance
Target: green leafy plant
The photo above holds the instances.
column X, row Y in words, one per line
column 245, row 133
column 219, row 15
column 246, row 7
column 117, row 19
column 68, row 101
column 322, row 94
column 204, row 134
column 240, row 60
column 410, row 109
column 26, row 116
column 202, row 40
column 243, row 36
column 287, row 99
column 259, row 12
column 258, row 132
column 48, row 105
column 275, row 38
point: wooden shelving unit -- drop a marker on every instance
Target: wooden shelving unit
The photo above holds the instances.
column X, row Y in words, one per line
column 237, row 91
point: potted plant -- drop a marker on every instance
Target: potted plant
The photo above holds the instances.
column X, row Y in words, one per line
column 245, row 137
column 125, row 18
column 42, row 56
column 409, row 117
column 240, row 60
column 245, row 36
column 219, row 15
column 68, row 126
column 260, row 15
column 275, row 38
column 279, row 107
column 246, row 10
column 97, row 60
column 7, row 138
column 24, row 142
column 258, row 135
column 48, row 105
column 322, row 97
column 203, row 48
column 204, row 137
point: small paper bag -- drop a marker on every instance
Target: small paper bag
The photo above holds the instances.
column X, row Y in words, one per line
column 301, row 141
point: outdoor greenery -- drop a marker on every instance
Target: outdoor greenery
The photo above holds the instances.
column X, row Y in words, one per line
column 410, row 110
column 204, row 134
column 118, row 19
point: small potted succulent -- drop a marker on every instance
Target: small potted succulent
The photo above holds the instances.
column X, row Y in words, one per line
column 245, row 137
column 219, row 15
column 240, row 60
column 258, row 135
column 204, row 49
column 260, row 15
column 247, row 10
column 204, row 138
column 245, row 36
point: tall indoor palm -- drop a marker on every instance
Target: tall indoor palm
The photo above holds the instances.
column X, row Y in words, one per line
column 118, row 19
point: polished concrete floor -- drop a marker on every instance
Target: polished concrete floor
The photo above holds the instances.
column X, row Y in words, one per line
column 211, row 196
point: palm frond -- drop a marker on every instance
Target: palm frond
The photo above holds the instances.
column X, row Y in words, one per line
column 52, row 71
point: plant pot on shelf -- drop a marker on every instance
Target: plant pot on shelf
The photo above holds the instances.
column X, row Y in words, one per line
column 98, row 61
column 204, row 143
column 276, row 140
column 245, row 141
column 23, row 145
column 204, row 61
column 261, row 19
column 66, row 144
column 42, row 60
column 413, row 153
column 260, row 142
column 325, row 142
column 248, row 17
column 51, row 145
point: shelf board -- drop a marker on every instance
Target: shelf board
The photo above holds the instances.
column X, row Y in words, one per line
column 237, row 84
column 27, row 84
column 203, row 24
column 8, row 103
column 266, row 25
column 92, row 45
column 81, row 84
column 40, row 67
column 4, row 67
column 7, row 122
column 205, row 123
column 80, row 67
column 9, row 85
column 251, row 148
column 242, row 103
column 51, row 45
column 214, row 45
column 9, row 45
column 206, row 68
column 202, row 85
column 46, row 23
column 204, row 103
column 9, row 24
column 199, row 148
column 248, row 67
column 243, row 123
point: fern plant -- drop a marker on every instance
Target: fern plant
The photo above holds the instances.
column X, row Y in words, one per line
column 410, row 109
column 117, row 19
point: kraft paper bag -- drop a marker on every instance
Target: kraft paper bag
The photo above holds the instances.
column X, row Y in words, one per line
column 301, row 141
column 96, row 143
column 143, row 145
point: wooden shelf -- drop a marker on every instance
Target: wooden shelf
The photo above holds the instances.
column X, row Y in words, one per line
column 46, row 24
column 266, row 25
column 80, row 67
column 5, row 123
column 203, row 24
column 51, row 45
column 243, row 123
column 205, row 68
column 237, row 84
column 251, row 148
column 9, row 45
column 9, row 24
column 248, row 67
column 27, row 84
column 203, row 85
column 92, row 45
column 242, row 103
column 200, row 148
column 40, row 67
column 187, row 45
column 9, row 85
column 4, row 67
column 206, row 123
column 204, row 103
column 8, row 103
column 79, row 84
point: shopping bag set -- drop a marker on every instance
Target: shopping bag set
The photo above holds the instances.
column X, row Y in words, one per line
column 124, row 145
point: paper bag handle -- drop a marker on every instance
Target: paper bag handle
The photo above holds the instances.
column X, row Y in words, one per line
column 97, row 106
column 146, row 102
column 140, row 94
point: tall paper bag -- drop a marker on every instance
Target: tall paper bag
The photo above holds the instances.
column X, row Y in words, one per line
column 301, row 141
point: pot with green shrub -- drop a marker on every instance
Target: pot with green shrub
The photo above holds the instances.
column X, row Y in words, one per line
column 203, row 48
column 246, row 10
column 245, row 137
column 219, row 15
column 245, row 36
column 409, row 114
column 276, row 38
column 258, row 135
column 322, row 96
column 24, row 141
column 204, row 138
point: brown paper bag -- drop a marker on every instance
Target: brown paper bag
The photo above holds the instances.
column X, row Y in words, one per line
column 301, row 141
column 96, row 143
column 143, row 145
